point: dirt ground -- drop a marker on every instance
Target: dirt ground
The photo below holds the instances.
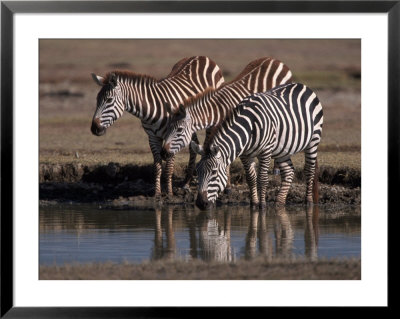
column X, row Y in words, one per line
column 71, row 158
column 258, row 269
column 68, row 94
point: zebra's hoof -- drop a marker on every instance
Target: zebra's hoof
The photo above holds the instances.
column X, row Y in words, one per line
column 254, row 204
column 228, row 191
column 169, row 196
column 309, row 203
column 254, row 207
column 157, row 198
column 279, row 204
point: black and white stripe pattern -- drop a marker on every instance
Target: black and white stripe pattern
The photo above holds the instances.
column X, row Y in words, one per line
column 210, row 108
column 144, row 97
column 277, row 124
column 213, row 106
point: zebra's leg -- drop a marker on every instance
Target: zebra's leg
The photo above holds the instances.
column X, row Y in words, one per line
column 191, row 164
column 311, row 172
column 251, row 178
column 264, row 160
column 155, row 146
column 169, row 171
column 228, row 188
column 287, row 172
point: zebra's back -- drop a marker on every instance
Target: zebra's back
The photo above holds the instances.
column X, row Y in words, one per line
column 289, row 116
column 188, row 77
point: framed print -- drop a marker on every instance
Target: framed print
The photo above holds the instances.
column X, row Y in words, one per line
column 125, row 224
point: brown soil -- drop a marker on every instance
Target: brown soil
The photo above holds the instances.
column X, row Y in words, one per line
column 258, row 269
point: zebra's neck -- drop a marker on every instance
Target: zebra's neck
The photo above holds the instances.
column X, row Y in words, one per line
column 145, row 98
column 235, row 136
column 230, row 144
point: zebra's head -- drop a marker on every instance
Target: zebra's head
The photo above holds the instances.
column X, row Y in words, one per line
column 110, row 103
column 179, row 132
column 211, row 174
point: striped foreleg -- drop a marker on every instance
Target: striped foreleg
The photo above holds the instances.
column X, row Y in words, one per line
column 228, row 188
column 311, row 174
column 287, row 172
column 264, row 160
column 251, row 178
column 169, row 171
column 155, row 146
column 191, row 164
column 311, row 168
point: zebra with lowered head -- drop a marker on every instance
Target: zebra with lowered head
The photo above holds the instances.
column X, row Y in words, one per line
column 275, row 124
column 144, row 96
column 212, row 107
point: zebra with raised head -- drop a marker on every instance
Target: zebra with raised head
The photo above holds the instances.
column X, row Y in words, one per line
column 275, row 124
column 144, row 97
column 211, row 107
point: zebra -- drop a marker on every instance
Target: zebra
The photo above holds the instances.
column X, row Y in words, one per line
column 275, row 124
column 211, row 107
column 143, row 96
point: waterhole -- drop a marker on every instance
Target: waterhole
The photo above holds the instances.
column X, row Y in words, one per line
column 86, row 233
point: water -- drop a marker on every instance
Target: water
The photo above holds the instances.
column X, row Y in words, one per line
column 85, row 233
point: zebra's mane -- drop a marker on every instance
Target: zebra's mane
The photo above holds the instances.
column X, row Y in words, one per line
column 214, row 129
column 177, row 68
column 127, row 75
column 211, row 136
column 248, row 69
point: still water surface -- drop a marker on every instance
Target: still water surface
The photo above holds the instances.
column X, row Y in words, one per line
column 85, row 233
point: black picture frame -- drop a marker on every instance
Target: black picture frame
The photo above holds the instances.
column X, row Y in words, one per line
column 9, row 8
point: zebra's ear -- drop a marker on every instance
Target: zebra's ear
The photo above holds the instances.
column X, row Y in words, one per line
column 215, row 150
column 182, row 110
column 113, row 80
column 168, row 107
column 197, row 148
column 98, row 79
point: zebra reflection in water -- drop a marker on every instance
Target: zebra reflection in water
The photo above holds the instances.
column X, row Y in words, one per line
column 214, row 239
column 167, row 251
column 270, row 235
column 311, row 233
column 207, row 239
column 258, row 228
column 278, row 219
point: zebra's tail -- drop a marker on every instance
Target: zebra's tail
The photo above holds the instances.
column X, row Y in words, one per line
column 316, row 183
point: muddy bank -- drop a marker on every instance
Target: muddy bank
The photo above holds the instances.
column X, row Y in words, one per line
column 258, row 269
column 117, row 173
column 126, row 185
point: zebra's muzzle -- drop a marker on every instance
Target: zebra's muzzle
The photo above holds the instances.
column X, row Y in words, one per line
column 97, row 129
column 165, row 154
column 202, row 201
